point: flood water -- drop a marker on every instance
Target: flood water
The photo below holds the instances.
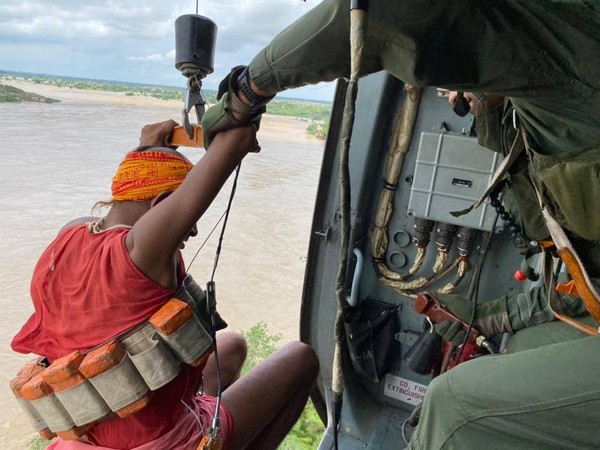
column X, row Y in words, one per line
column 56, row 162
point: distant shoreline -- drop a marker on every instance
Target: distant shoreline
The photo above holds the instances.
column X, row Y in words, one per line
column 155, row 90
column 66, row 94
column 74, row 94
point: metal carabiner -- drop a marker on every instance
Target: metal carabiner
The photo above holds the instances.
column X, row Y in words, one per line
column 193, row 100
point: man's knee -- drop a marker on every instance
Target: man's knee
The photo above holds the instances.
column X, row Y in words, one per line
column 440, row 414
column 438, row 393
column 303, row 357
column 234, row 342
column 234, row 346
column 544, row 334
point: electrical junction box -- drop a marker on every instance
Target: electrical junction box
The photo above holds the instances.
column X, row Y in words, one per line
column 451, row 173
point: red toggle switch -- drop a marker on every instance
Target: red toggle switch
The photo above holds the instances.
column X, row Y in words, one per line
column 520, row 275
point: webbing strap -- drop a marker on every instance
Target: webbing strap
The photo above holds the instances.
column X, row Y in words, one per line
column 585, row 289
column 151, row 360
column 515, row 151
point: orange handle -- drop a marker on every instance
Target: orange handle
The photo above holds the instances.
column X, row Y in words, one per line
column 585, row 293
column 181, row 138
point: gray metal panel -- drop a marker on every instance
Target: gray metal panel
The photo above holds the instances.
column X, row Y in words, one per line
column 451, row 173
column 368, row 413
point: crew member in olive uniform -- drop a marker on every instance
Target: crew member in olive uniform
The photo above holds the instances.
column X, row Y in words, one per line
column 544, row 56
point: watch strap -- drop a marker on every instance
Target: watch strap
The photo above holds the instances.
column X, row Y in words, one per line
column 243, row 85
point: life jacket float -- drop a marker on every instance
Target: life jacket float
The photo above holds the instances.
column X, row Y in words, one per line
column 66, row 398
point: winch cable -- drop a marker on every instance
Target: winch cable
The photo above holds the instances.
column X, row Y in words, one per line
column 358, row 16
column 227, row 210
column 211, row 304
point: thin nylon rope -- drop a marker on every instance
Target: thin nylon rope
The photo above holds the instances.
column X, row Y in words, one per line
column 205, row 241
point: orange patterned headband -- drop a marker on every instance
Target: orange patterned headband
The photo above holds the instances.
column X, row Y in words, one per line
column 143, row 175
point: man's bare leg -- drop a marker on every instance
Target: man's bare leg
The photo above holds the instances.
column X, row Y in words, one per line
column 267, row 401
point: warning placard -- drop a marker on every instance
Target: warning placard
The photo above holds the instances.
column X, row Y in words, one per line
column 406, row 391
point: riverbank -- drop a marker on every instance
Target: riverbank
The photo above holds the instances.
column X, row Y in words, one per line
column 281, row 127
column 91, row 96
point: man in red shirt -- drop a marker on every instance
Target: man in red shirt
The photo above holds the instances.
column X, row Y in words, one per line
column 97, row 280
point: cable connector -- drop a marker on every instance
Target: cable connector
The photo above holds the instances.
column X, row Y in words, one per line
column 482, row 342
column 465, row 240
column 445, row 236
column 423, row 228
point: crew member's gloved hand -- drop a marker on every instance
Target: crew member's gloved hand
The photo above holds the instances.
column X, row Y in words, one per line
column 491, row 318
column 230, row 111
column 158, row 134
column 506, row 314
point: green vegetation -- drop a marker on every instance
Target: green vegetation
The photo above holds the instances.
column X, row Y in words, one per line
column 302, row 109
column 306, row 433
column 131, row 89
column 37, row 443
column 10, row 94
column 318, row 129
column 317, row 113
column 260, row 345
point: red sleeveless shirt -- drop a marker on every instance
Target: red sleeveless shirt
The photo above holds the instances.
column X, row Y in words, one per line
column 85, row 290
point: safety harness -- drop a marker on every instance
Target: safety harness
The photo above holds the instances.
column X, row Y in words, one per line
column 66, row 398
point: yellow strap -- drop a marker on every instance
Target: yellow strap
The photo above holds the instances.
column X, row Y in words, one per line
column 576, row 324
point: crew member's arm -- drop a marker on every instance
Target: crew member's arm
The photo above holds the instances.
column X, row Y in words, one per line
column 155, row 238
column 546, row 57
column 507, row 314
column 464, row 45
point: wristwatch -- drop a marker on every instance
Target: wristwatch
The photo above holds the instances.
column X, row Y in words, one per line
column 243, row 84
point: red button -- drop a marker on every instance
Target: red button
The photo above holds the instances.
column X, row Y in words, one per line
column 520, row 275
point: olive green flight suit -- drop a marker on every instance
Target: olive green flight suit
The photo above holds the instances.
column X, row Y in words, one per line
column 545, row 56
column 542, row 54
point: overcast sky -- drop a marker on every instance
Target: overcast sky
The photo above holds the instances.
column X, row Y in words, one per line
column 134, row 41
